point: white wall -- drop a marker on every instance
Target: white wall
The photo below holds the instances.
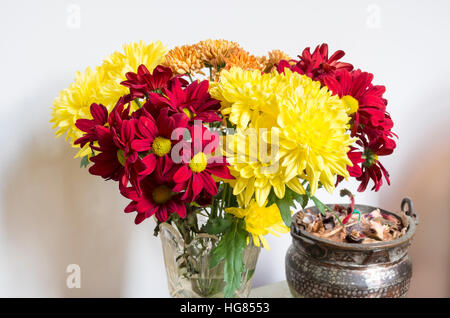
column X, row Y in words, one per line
column 53, row 214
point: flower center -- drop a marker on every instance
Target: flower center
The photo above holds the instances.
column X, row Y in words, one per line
column 199, row 162
column 370, row 157
column 161, row 146
column 351, row 104
column 121, row 157
column 161, row 194
column 188, row 113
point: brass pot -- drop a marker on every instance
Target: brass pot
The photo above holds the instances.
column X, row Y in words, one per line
column 316, row 267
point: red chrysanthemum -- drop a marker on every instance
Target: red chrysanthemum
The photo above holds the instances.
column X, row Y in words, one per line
column 99, row 118
column 371, row 104
column 317, row 65
column 107, row 163
column 143, row 82
column 197, row 166
column 157, row 198
column 366, row 163
column 370, row 123
column 372, row 167
column 194, row 101
column 356, row 158
column 114, row 157
column 155, row 138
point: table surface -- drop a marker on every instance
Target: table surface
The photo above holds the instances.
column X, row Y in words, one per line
column 275, row 290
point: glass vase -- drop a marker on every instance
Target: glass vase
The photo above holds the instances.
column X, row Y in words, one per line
column 187, row 265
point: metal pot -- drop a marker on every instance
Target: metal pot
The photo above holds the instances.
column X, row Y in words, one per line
column 316, row 267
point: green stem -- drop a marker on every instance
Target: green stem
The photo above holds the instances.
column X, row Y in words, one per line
column 230, row 194
column 214, row 207
column 190, row 77
column 210, row 73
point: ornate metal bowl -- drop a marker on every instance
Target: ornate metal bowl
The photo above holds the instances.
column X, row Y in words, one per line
column 316, row 267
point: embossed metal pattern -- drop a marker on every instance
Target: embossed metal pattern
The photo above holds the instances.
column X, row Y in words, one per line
column 316, row 267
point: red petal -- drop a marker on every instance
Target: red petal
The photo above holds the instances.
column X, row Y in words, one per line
column 130, row 207
column 141, row 145
column 197, row 184
column 99, row 113
column 149, row 164
column 208, row 183
column 84, row 124
column 139, row 218
column 161, row 214
column 147, row 127
column 181, row 211
column 219, row 170
column 182, row 175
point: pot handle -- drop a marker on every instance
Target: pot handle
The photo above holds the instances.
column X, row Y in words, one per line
column 410, row 209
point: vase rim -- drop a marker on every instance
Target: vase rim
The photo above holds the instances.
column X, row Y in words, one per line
column 175, row 232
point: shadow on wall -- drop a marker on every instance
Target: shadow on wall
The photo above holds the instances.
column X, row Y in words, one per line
column 426, row 180
column 56, row 214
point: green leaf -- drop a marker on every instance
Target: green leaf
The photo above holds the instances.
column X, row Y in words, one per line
column 303, row 200
column 231, row 249
column 285, row 209
column 320, row 206
column 287, row 202
column 84, row 162
column 217, row 225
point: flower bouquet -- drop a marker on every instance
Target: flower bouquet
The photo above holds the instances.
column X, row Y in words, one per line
column 218, row 145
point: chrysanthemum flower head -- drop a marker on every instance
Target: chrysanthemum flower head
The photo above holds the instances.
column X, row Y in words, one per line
column 157, row 199
column 215, row 52
column 260, row 221
column 272, row 59
column 118, row 64
column 316, row 65
column 244, row 95
column 198, row 165
column 74, row 102
column 256, row 167
column 101, row 86
column 184, row 59
column 313, row 134
column 194, row 101
column 243, row 60
column 310, row 125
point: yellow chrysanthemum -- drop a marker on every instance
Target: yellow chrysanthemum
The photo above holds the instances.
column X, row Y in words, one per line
column 184, row 59
column 243, row 60
column 313, row 135
column 273, row 58
column 244, row 95
column 118, row 64
column 74, row 102
column 305, row 125
column 256, row 167
column 215, row 52
column 260, row 221
column 101, row 86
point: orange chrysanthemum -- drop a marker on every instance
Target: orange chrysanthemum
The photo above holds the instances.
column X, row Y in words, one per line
column 243, row 60
column 215, row 52
column 273, row 58
column 184, row 59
